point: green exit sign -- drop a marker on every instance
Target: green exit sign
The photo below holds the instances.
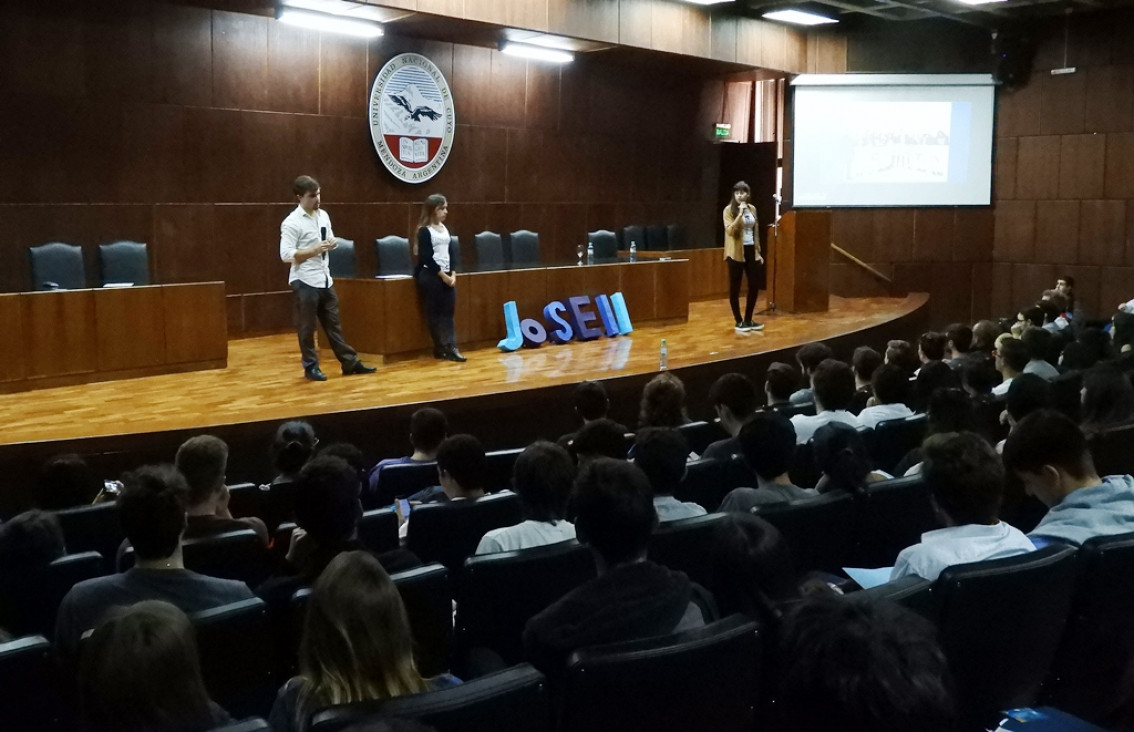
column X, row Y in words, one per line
column 722, row 129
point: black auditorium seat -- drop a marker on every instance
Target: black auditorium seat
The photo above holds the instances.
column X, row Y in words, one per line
column 378, row 530
column 804, row 471
column 57, row 266
column 343, row 260
column 701, row 434
column 893, row 514
column 399, row 481
column 238, row 555
column 489, row 250
column 1113, row 450
column 30, row 698
column 449, row 532
column 247, row 499
column 92, row 528
column 702, row 484
column 29, row 601
column 124, row 262
column 893, row 438
column 236, row 645
column 820, row 531
column 393, row 256
column 524, row 246
column 685, row 545
column 605, row 243
column 498, row 465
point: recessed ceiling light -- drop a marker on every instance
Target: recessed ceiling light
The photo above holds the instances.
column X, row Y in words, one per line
column 330, row 23
column 539, row 53
column 798, row 17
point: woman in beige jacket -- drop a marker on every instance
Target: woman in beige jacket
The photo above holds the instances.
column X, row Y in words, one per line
column 742, row 252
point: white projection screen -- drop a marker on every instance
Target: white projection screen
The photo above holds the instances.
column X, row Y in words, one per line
column 892, row 140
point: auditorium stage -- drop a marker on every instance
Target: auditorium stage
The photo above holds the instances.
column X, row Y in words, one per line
column 503, row 396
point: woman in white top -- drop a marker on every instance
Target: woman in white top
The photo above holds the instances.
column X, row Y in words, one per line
column 742, row 252
column 435, row 277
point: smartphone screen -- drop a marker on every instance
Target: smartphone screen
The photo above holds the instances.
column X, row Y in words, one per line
column 404, row 506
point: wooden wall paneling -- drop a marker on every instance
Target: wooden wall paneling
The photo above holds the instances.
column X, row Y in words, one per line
column 853, row 230
column 574, row 95
column 43, row 51
column 151, row 155
column 826, row 53
column 935, row 234
column 795, row 51
column 1005, row 161
column 974, row 232
column 1102, row 232
column 1015, row 233
column 1088, row 286
column 1001, row 302
column 293, row 73
column 185, row 242
column 182, row 55
column 1109, row 103
column 471, row 83
column 363, row 313
column 506, row 92
column 234, row 315
column 672, row 291
column 749, row 41
column 524, row 158
column 1037, row 167
column 129, row 328
column 981, row 288
column 405, row 321
column 527, row 14
column 1029, row 281
column 269, row 312
column 13, row 348
column 343, row 84
column 214, row 168
column 481, row 316
column 1081, row 165
column 529, row 289
column 773, row 45
column 240, row 60
column 476, row 165
column 59, row 332
column 1064, row 101
column 638, row 284
column 596, row 20
column 1128, row 239
column 268, row 140
column 1120, row 165
column 1114, row 288
column 722, row 38
column 635, row 23
column 1057, row 231
column 118, row 53
column 893, row 234
column 541, row 96
column 1018, row 111
column 696, row 31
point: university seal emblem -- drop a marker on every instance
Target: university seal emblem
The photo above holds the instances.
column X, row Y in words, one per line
column 412, row 117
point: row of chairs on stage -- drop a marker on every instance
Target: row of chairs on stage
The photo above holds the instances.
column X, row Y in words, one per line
column 59, row 266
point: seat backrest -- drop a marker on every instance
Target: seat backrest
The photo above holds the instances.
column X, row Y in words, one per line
column 236, row 648
column 28, row 677
column 378, row 530
column 1113, row 451
column 512, row 700
column 454, row 253
column 59, row 264
column 525, row 247
column 92, row 529
column 1000, row 622
column 893, row 438
column 656, row 239
column 702, row 483
column 427, row 595
column 449, row 532
column 498, row 465
column 405, row 479
column 238, row 555
column 675, row 235
column 489, row 250
column 246, row 499
column 1094, row 668
column 893, row 514
column 633, row 233
column 606, row 244
column 29, row 601
column 685, row 545
column 820, row 531
column 252, row 724
column 393, row 256
column 499, row 593
column 124, row 261
column 704, row 679
column 701, row 434
column 804, row 471
column 343, row 260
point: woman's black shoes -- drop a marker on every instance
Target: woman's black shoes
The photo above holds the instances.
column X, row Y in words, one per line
column 452, row 354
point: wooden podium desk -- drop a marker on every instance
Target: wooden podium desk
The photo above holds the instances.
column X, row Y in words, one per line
column 66, row 337
column 385, row 317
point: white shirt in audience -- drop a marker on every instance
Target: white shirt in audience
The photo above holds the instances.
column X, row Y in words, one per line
column 671, row 509
column 1042, row 369
column 960, row 545
column 1001, row 389
column 871, row 416
column 805, row 425
column 525, row 535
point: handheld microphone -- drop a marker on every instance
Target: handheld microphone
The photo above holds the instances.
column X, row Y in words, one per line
column 323, row 237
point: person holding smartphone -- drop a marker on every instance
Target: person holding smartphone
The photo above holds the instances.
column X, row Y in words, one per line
column 435, row 277
column 742, row 252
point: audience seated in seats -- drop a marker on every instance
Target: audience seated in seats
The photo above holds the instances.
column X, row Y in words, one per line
column 29, row 541
column 864, row 363
column 346, row 452
column 599, row 438
column 1107, row 399
column 978, row 377
column 902, row 355
column 462, row 472
column 294, row 445
column 1056, row 316
column 950, row 410
column 1030, row 317
column 985, row 333
column 139, row 672
column 809, row 357
column 356, row 645
column 1076, row 356
column 780, row 382
column 632, row 597
column 843, row 459
column 1028, row 393
column 663, row 402
column 733, row 397
column 542, row 478
column 66, row 481
column 660, row 452
column 931, row 347
column 1038, row 342
column 1073, row 310
column 931, row 377
column 1011, row 358
column 890, row 387
column 1049, row 454
column 1122, row 334
column 832, row 386
column 151, row 509
column 203, row 461
column 591, row 404
column 966, row 481
column 428, row 427
column 851, row 664
column 752, row 569
column 958, row 342
column 767, row 443
column 1098, row 343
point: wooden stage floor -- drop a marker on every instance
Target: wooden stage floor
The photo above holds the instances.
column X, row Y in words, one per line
column 264, row 381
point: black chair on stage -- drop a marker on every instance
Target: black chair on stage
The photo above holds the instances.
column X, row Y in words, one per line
column 499, row 593
column 29, row 679
column 701, row 434
column 57, row 266
column 393, row 256
column 675, row 236
column 124, row 262
column 893, row 438
column 605, row 243
column 454, row 253
column 656, row 239
column 632, row 234
column 685, row 545
column 703, row 679
column 236, row 647
column 820, row 531
column 498, row 466
column 342, row 260
column 512, row 700
column 237, row 555
column 893, row 514
column 30, row 600
column 524, row 245
column 489, row 250
column 449, row 532
column 92, row 528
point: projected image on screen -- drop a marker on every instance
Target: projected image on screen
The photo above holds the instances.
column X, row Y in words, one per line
column 892, row 145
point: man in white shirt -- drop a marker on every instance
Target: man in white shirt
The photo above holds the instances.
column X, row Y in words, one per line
column 1011, row 358
column 305, row 239
column 832, row 388
column 890, row 387
column 542, row 477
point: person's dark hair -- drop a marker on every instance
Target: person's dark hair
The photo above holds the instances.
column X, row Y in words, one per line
column 1032, row 315
column 347, row 452
column 738, row 186
column 1048, row 437
column 961, row 336
column 1069, row 280
column 965, row 477
column 1026, row 394
column 860, row 664
column 1077, row 356
column 326, row 500
column 841, row 455
column 1014, row 354
column 933, row 376
column 865, row 362
column 1038, row 343
column 736, row 392
column 752, row 571
column 932, row 345
column 304, row 184
column 591, row 401
column 661, row 452
column 1108, row 398
column 1050, row 310
column 65, row 481
column 1123, row 330
column 202, row 460
column 294, row 444
column 462, row 457
column 902, row 355
column 810, row 356
column 663, row 402
column 979, row 375
column 613, row 508
column 890, row 384
column 1060, row 302
column 427, row 429
column 600, row 438
column 767, row 443
column 542, row 476
column 984, row 335
column 30, row 540
column 139, row 672
column 151, row 509
column 833, row 384
column 781, row 381
column 1066, row 395
column 431, row 203
column 950, row 410
column 1098, row 343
